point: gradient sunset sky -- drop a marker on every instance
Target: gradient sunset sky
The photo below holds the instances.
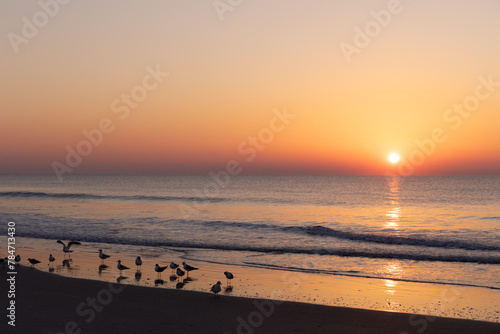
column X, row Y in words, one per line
column 227, row 76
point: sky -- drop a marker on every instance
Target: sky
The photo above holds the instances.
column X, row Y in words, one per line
column 278, row 87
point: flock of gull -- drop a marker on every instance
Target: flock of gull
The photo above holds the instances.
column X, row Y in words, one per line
column 176, row 270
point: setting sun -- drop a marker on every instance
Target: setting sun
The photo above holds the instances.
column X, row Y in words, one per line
column 394, row 158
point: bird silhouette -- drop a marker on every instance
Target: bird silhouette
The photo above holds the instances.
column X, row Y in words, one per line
column 216, row 288
column 66, row 249
column 188, row 268
column 103, row 256
column 51, row 260
column 33, row 262
column 138, row 262
column 173, row 266
column 229, row 277
column 180, row 272
column 159, row 269
column 121, row 267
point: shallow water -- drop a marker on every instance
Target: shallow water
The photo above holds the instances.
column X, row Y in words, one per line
column 317, row 288
column 416, row 229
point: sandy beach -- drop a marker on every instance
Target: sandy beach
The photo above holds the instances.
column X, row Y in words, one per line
column 78, row 295
column 49, row 303
column 243, row 167
column 344, row 290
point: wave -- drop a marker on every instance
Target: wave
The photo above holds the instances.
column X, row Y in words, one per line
column 317, row 231
column 492, row 217
column 28, row 194
column 378, row 238
column 270, row 249
column 392, row 239
column 43, row 195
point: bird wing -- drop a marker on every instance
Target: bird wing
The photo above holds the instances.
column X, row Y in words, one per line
column 60, row 242
column 73, row 243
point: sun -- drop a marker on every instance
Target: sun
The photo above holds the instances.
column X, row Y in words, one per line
column 394, row 158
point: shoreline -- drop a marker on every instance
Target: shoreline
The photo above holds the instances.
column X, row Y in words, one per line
column 440, row 300
column 51, row 303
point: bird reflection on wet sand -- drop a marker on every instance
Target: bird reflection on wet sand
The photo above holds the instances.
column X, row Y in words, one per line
column 66, row 263
column 121, row 278
column 189, row 279
column 102, row 267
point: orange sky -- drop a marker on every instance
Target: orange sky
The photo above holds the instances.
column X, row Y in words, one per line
column 225, row 78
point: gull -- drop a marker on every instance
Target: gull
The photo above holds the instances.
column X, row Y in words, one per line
column 180, row 272
column 51, row 259
column 188, row 268
column 173, row 266
column 229, row 277
column 159, row 269
column 103, row 256
column 66, row 248
column 120, row 266
column 138, row 262
column 216, row 288
column 17, row 258
column 33, row 262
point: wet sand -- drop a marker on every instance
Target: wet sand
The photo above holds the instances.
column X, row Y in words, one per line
column 441, row 300
column 50, row 303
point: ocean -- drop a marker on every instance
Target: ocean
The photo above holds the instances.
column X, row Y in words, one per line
column 419, row 229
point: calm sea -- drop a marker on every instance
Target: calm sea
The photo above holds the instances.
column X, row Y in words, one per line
column 423, row 229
